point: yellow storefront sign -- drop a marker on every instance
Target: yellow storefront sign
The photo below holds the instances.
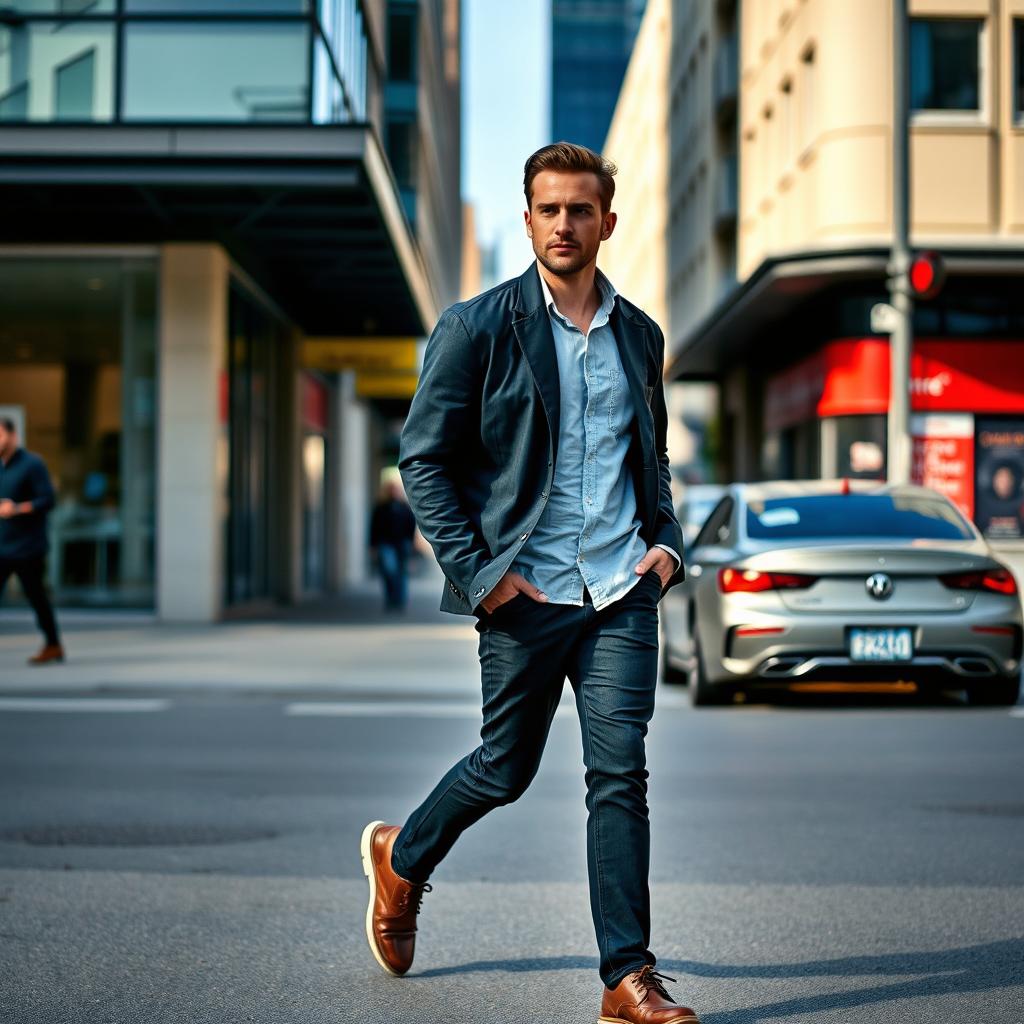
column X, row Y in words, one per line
column 371, row 355
column 385, row 385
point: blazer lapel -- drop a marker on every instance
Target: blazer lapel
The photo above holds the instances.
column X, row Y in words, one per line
column 533, row 332
column 631, row 338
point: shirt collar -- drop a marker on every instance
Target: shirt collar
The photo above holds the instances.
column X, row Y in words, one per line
column 604, row 286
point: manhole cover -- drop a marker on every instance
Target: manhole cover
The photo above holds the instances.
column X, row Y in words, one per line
column 990, row 810
column 133, row 835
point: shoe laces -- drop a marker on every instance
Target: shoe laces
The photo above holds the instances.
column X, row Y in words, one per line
column 650, row 980
column 413, row 896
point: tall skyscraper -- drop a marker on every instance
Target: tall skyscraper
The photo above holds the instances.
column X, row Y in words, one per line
column 591, row 41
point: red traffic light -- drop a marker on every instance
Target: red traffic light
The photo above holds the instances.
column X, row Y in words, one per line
column 926, row 275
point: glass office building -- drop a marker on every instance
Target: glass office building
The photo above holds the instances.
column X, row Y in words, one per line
column 591, row 41
column 190, row 191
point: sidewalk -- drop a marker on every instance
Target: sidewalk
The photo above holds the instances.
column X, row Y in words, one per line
column 345, row 647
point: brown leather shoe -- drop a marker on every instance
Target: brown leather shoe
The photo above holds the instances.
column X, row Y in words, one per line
column 394, row 902
column 51, row 652
column 640, row 998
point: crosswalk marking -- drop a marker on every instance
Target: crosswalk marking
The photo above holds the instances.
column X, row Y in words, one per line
column 86, row 704
column 384, row 709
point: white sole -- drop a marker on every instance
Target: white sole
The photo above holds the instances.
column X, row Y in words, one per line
column 364, row 852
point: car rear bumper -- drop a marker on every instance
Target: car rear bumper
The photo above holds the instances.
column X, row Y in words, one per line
column 815, row 647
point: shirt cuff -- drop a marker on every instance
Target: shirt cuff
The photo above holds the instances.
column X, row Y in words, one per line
column 672, row 552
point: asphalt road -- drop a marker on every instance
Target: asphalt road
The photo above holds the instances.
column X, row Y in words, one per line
column 195, row 858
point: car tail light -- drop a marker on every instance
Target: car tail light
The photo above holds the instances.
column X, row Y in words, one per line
column 751, row 581
column 758, row 630
column 1000, row 581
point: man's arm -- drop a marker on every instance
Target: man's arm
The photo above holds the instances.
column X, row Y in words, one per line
column 42, row 488
column 445, row 410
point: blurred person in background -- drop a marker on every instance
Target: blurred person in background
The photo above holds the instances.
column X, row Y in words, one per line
column 534, row 457
column 26, row 496
column 392, row 528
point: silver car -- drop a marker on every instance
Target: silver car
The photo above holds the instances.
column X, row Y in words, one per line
column 842, row 585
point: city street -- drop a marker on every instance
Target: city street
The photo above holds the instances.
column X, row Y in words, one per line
column 190, row 852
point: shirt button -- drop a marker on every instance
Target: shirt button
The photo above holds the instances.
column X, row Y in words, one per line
column 524, row 536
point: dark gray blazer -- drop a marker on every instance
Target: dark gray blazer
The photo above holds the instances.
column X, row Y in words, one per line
column 479, row 445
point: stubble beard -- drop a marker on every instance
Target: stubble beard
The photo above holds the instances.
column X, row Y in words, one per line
column 564, row 266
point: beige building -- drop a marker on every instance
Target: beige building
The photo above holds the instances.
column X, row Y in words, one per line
column 674, row 139
column 774, row 306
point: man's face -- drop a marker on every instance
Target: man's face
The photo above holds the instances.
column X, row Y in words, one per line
column 1002, row 482
column 8, row 440
column 565, row 221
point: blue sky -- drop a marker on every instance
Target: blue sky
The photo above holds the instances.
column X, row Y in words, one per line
column 505, row 115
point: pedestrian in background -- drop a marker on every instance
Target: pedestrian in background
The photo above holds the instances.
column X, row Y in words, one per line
column 392, row 528
column 535, row 459
column 26, row 496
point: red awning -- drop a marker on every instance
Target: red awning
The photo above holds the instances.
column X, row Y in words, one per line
column 850, row 376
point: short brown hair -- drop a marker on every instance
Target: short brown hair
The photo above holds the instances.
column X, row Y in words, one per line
column 567, row 156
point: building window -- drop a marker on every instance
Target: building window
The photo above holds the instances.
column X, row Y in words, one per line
column 78, row 351
column 75, row 7
column 1018, row 69
column 75, row 87
column 57, row 70
column 945, row 64
column 216, row 71
column 402, row 45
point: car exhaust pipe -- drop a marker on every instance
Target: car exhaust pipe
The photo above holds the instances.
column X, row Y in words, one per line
column 974, row 666
column 777, row 667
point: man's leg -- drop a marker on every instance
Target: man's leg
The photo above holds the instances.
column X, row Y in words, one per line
column 523, row 649
column 614, row 672
column 30, row 574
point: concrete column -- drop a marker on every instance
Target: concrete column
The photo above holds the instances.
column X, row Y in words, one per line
column 355, row 494
column 192, row 443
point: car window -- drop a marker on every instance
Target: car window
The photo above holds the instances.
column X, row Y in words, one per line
column 824, row 516
column 716, row 529
column 697, row 512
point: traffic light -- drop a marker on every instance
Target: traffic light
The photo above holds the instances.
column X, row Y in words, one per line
column 926, row 274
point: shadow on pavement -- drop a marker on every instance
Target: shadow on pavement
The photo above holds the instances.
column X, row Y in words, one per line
column 976, row 968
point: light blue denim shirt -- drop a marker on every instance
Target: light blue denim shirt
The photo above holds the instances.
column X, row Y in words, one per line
column 589, row 532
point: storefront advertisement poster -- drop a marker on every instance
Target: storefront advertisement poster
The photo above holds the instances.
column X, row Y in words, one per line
column 999, row 489
column 943, row 457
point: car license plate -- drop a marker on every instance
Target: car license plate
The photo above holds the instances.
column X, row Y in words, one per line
column 881, row 645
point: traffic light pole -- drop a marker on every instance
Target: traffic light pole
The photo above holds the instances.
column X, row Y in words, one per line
column 901, row 338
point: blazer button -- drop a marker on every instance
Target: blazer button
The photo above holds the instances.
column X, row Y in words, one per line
column 524, row 536
column 480, row 591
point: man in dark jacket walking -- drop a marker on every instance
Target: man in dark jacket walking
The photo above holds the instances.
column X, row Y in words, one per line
column 392, row 529
column 26, row 496
column 534, row 457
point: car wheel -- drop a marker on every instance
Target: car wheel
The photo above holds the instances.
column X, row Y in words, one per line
column 1001, row 692
column 703, row 693
column 670, row 673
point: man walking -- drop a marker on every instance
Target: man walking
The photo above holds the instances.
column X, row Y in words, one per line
column 392, row 529
column 26, row 496
column 534, row 458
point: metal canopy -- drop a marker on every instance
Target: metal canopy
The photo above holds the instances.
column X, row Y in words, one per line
column 740, row 328
column 311, row 213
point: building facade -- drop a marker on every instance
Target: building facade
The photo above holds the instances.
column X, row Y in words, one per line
column 802, row 377
column 674, row 138
column 591, row 41
column 212, row 282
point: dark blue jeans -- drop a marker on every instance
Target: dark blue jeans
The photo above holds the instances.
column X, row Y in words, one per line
column 527, row 649
column 392, row 560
